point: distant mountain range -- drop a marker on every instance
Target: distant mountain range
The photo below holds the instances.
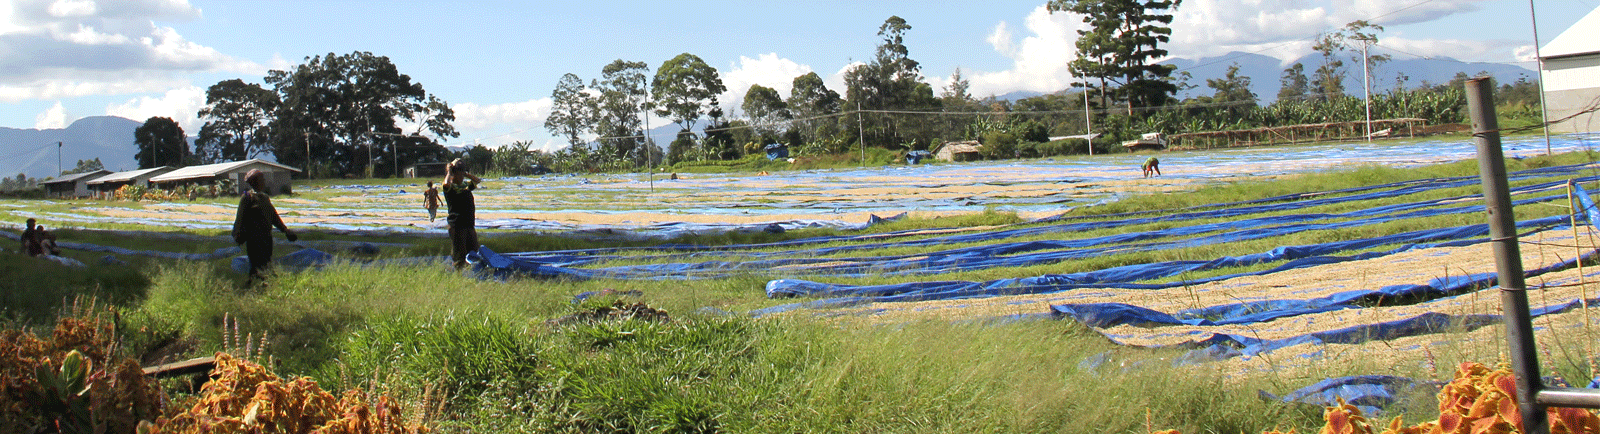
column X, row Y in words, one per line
column 109, row 138
column 34, row 152
column 1265, row 72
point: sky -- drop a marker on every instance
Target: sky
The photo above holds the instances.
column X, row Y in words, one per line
column 496, row 62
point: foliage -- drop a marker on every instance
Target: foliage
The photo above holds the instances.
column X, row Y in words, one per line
column 244, row 397
column 1478, row 401
column 767, row 112
column 1123, row 41
column 20, row 182
column 570, row 115
column 342, row 108
column 85, row 166
column 515, row 159
column 237, row 116
column 684, row 87
column 160, row 142
column 75, row 381
column 617, row 118
column 810, row 101
column 1293, row 84
column 891, row 81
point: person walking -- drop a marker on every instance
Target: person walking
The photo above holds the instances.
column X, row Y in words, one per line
column 457, row 190
column 1152, row 165
column 430, row 200
column 252, row 225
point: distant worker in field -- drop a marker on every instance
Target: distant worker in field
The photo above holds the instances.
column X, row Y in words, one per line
column 457, row 188
column 430, row 200
column 1152, row 166
column 252, row 225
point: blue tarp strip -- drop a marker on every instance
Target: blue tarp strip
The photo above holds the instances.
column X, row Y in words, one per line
column 1120, row 277
column 1011, row 254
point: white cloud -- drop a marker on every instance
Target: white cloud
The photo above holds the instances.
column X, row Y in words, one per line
column 53, row 118
column 1285, row 29
column 1044, row 45
column 70, row 48
column 767, row 70
column 181, row 104
column 529, row 113
column 72, row 8
column 1039, row 61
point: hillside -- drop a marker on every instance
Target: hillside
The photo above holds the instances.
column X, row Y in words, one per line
column 34, row 152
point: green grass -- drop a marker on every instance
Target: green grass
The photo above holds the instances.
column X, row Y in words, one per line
column 483, row 352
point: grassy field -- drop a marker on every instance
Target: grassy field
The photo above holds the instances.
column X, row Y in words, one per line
column 493, row 356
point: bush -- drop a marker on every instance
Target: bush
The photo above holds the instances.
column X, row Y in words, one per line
column 998, row 145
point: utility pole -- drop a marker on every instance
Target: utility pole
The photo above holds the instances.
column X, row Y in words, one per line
column 861, row 134
column 1088, row 123
column 308, row 154
column 1366, row 86
column 1544, row 115
column 58, row 158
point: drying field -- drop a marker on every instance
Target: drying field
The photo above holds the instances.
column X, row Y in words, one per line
column 1006, row 291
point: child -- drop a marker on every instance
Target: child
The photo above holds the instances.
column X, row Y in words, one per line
column 430, row 200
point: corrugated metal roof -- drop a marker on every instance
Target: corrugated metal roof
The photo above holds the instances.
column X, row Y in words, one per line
column 210, row 170
column 1582, row 38
column 129, row 175
column 77, row 176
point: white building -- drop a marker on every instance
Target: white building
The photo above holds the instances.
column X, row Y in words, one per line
column 1571, row 69
column 277, row 175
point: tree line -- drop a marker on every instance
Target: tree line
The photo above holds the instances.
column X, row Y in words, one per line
column 342, row 115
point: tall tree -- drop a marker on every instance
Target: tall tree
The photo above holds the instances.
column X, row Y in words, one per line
column 891, row 81
column 348, row 108
column 1121, row 46
column 569, row 114
column 617, row 118
column 237, row 115
column 683, row 87
column 766, row 110
column 160, row 142
column 955, row 93
column 1328, row 80
column 1366, row 34
column 1293, row 84
column 810, row 100
column 1232, row 87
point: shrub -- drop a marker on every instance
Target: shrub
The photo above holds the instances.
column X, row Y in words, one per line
column 76, row 380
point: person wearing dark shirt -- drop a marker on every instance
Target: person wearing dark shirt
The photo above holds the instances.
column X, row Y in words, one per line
column 457, row 190
column 30, row 245
column 253, row 224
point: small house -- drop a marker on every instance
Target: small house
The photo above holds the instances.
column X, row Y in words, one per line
column 114, row 181
column 277, row 175
column 74, row 185
column 960, row 151
column 426, row 170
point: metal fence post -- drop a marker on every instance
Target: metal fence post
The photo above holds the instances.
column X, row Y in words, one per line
column 1508, row 258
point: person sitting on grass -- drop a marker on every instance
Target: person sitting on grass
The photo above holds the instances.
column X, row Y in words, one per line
column 45, row 241
column 30, row 245
column 253, row 224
